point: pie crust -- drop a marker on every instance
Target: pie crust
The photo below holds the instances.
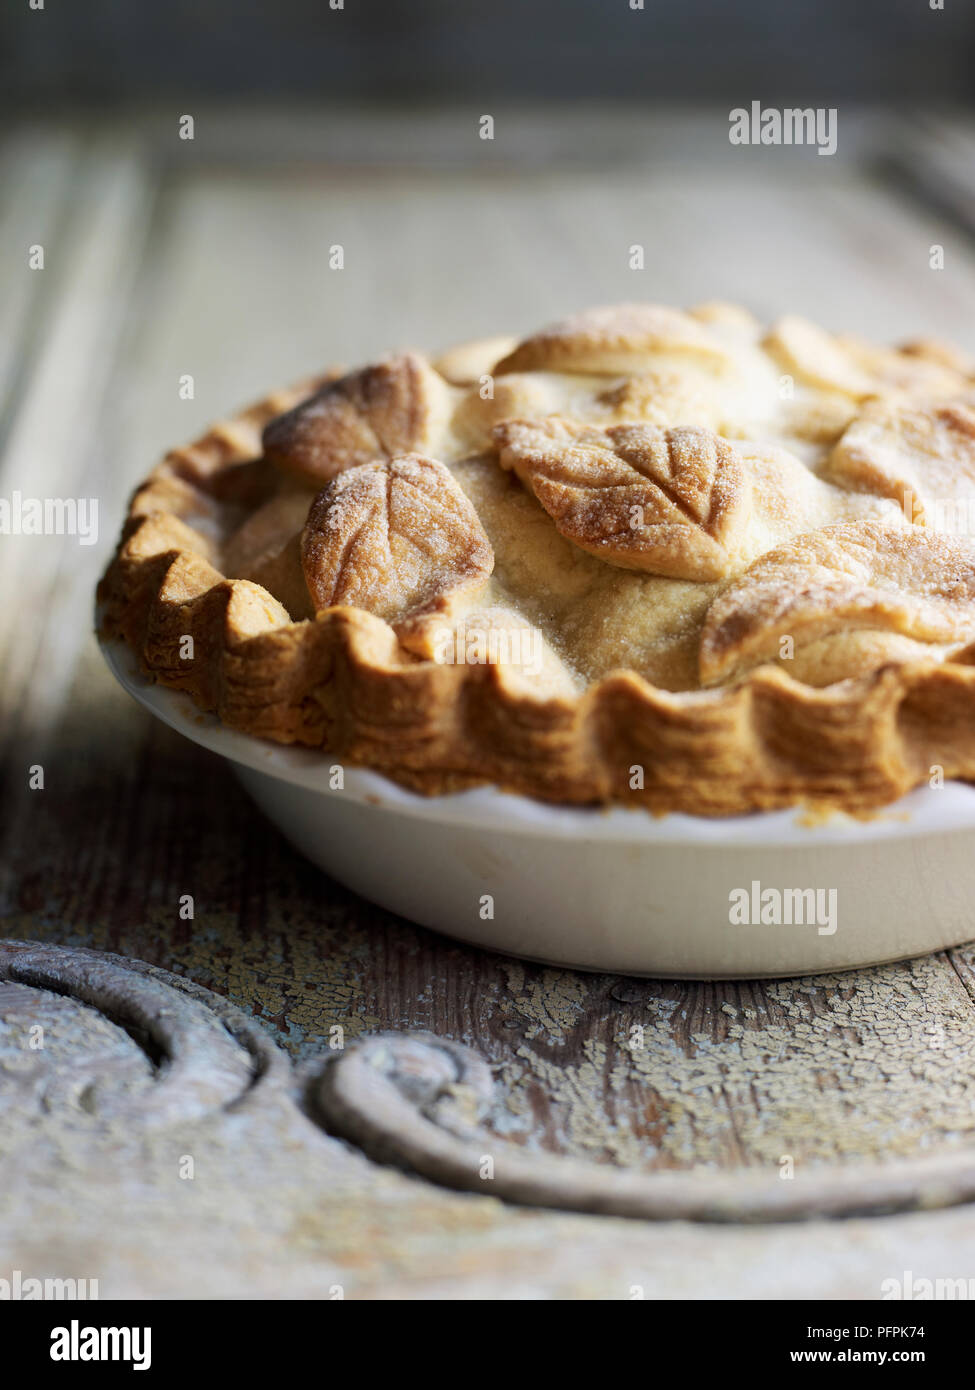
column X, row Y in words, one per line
column 672, row 560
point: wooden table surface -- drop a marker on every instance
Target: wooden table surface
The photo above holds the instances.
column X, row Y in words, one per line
column 164, row 258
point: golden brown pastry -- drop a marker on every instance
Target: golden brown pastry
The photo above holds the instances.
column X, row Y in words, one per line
column 677, row 560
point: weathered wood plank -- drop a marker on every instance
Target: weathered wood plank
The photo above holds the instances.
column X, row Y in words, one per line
column 36, row 174
column 59, row 425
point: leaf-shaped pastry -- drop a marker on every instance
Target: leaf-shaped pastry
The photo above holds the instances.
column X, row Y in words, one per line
column 265, row 531
column 465, row 363
column 399, row 539
column 922, row 457
column 265, row 549
column 616, row 341
column 817, row 357
column 896, row 372
column 660, row 398
column 939, row 353
column 391, row 408
column 672, row 502
column 844, row 579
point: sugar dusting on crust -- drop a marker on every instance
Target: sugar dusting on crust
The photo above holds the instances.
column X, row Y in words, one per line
column 398, row 539
column 671, row 502
column 839, row 582
column 806, row 458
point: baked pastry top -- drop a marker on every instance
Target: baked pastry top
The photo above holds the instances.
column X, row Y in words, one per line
column 678, row 560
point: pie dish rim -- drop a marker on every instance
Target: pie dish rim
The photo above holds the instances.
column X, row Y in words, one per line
column 922, row 812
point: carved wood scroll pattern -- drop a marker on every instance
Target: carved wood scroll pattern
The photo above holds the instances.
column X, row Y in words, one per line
column 205, row 1053
column 415, row 1100
column 411, row 1100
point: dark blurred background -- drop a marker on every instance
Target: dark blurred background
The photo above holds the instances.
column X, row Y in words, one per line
column 777, row 51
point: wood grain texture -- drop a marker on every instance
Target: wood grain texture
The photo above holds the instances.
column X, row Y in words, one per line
column 416, row 1100
column 154, row 270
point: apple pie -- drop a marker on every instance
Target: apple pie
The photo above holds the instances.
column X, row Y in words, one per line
column 676, row 560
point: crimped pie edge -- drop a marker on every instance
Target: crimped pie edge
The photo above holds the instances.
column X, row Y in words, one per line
column 335, row 683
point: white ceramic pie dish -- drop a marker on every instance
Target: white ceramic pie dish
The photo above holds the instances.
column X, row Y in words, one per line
column 615, row 890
